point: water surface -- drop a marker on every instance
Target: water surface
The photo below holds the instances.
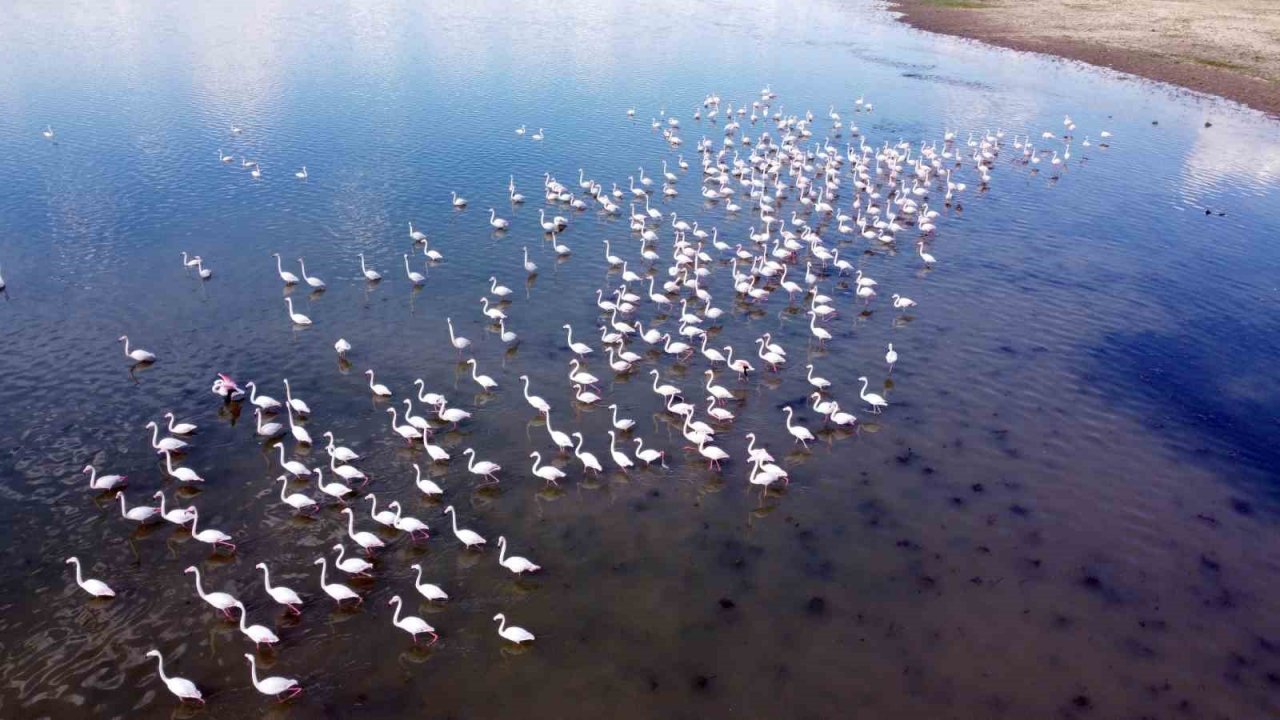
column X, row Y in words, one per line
column 1068, row 509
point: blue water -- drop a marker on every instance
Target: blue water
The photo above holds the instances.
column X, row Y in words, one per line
column 1068, row 509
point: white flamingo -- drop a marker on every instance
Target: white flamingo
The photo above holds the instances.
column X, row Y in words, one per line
column 96, row 588
column 183, row 688
column 411, row 623
column 513, row 634
column 515, row 563
column 220, row 601
column 431, row 592
column 364, row 539
column 274, row 685
column 337, row 591
column 468, row 538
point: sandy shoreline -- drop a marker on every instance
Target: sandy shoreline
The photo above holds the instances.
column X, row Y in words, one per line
column 1223, row 47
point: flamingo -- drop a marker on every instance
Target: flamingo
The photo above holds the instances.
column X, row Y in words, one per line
column 177, row 516
column 408, row 432
column 538, row 403
column 139, row 513
column 366, row 540
column 220, row 601
column 96, row 588
column 273, row 685
column 297, row 404
column 386, row 517
column 369, row 273
column 648, row 456
column 138, row 355
column 352, row 565
column 428, row 591
column 468, row 538
column 415, row 277
column 406, row 523
column 579, row 348
column 257, row 633
column 179, row 428
column 106, row 482
column 712, row 453
column 514, row 634
column 928, row 259
column 297, row 501
column 483, row 468
column 876, row 402
column 411, row 624
column 286, row 276
column 343, row 454
column 619, row 458
column 378, row 388
column 181, row 474
column 589, row 461
column 293, row 467
column 435, row 452
column 799, row 432
column 314, row 282
column 549, row 473
column 485, row 382
column 183, row 688
column 623, row 424
column 460, row 343
column 515, row 563
column 209, row 536
column 337, row 591
column 426, row 485
column 335, row 490
column 820, row 383
column 297, row 317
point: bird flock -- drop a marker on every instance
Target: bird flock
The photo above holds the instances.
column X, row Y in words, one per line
column 816, row 207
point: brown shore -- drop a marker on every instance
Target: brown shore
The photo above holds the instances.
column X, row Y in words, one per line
column 1229, row 48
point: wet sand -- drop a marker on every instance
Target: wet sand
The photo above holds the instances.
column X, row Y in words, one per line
column 1222, row 48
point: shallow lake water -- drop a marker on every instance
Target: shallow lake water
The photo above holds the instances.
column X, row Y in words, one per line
column 1069, row 508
